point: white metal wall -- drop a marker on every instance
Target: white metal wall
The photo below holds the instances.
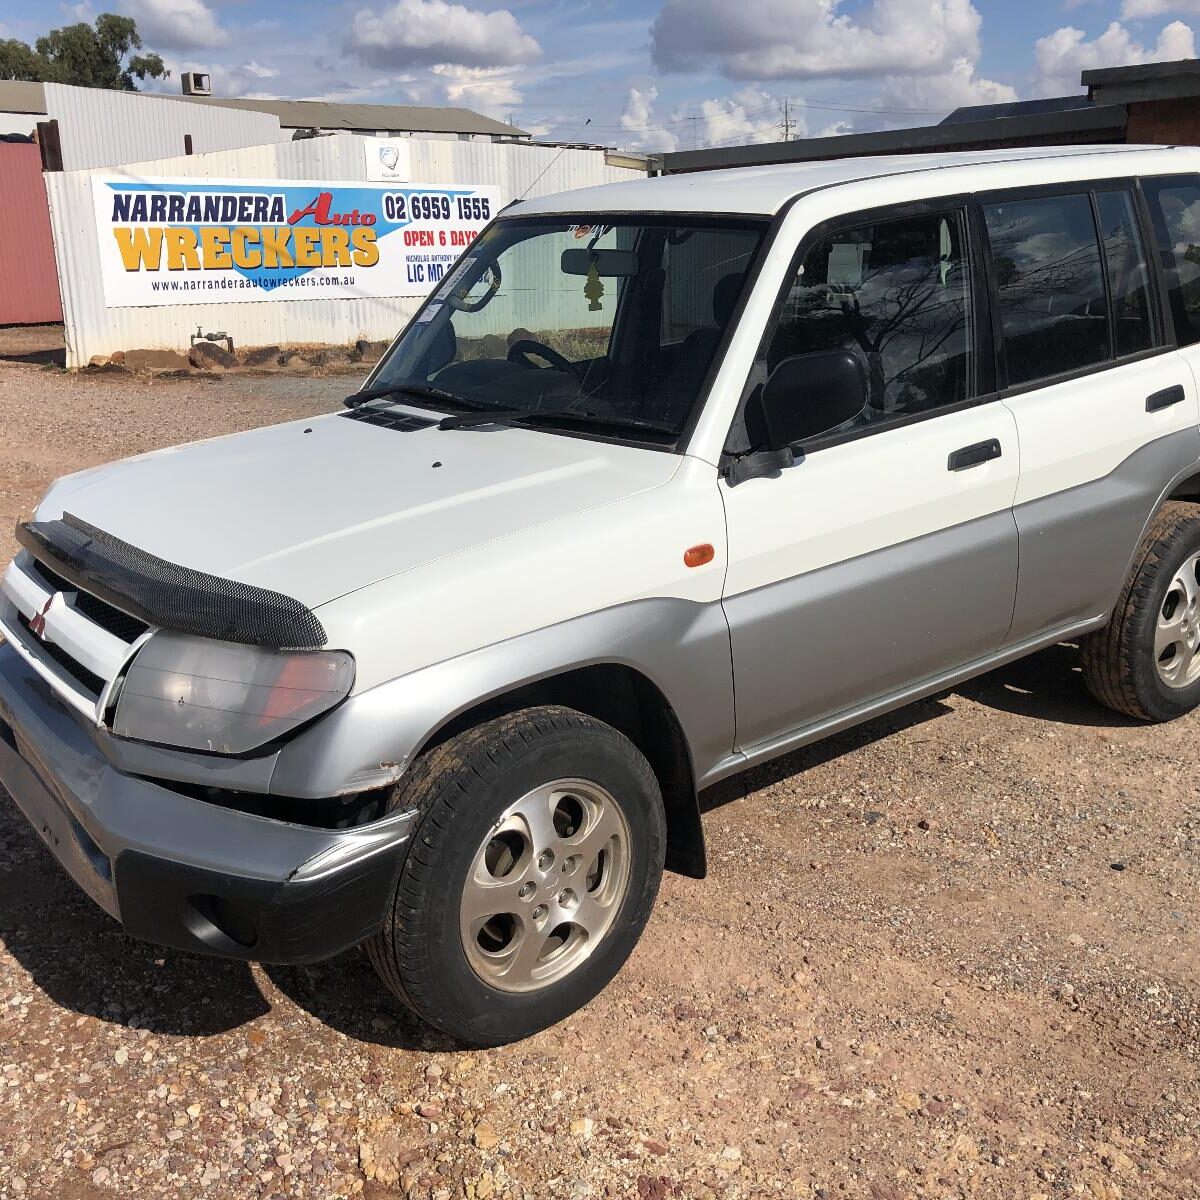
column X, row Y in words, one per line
column 92, row 329
column 102, row 128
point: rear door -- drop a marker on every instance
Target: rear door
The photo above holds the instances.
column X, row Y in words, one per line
column 1106, row 410
column 887, row 554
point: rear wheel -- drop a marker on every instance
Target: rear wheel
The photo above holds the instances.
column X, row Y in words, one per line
column 1146, row 662
column 530, row 876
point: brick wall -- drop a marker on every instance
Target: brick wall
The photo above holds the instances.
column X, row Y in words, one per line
column 1169, row 122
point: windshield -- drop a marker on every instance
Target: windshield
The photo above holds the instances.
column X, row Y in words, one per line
column 606, row 322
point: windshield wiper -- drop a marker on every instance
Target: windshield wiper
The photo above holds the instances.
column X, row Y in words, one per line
column 583, row 416
column 419, row 391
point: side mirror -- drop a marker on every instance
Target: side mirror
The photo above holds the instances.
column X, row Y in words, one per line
column 810, row 394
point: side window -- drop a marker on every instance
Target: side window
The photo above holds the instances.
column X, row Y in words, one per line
column 1128, row 273
column 1049, row 284
column 1175, row 212
column 898, row 291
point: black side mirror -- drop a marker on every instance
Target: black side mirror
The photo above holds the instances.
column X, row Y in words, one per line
column 810, row 394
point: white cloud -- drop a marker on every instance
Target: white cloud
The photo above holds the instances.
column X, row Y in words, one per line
column 1061, row 56
column 176, row 24
column 638, row 107
column 943, row 93
column 490, row 90
column 1137, row 10
column 259, row 71
column 434, row 31
column 750, row 115
column 812, row 39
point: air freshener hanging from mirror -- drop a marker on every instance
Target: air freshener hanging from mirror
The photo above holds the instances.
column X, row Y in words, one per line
column 593, row 289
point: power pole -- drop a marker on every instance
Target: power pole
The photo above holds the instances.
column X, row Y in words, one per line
column 694, row 128
column 786, row 124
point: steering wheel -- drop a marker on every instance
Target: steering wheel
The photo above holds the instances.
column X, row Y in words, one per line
column 522, row 348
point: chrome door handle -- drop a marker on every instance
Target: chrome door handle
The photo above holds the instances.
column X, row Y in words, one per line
column 1165, row 398
column 974, row 456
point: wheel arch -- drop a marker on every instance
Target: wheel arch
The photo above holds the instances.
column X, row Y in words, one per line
column 629, row 701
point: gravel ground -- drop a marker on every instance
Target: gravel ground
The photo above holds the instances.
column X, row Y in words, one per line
column 952, row 953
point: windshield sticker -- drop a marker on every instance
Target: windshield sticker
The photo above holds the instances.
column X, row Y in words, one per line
column 429, row 312
column 846, row 263
column 451, row 280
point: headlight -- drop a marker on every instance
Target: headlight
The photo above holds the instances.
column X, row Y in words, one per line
column 205, row 695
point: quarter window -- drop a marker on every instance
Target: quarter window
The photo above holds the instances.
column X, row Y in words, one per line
column 1175, row 212
column 1128, row 273
column 1049, row 285
column 899, row 292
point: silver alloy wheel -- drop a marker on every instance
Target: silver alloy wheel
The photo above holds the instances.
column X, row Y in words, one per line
column 545, row 885
column 1177, row 631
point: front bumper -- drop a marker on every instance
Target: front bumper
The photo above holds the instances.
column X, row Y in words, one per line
column 180, row 871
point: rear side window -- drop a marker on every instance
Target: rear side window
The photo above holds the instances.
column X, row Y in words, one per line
column 1175, row 212
column 1049, row 284
column 1128, row 273
column 897, row 291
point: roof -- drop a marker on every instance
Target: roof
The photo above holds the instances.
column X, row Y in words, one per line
column 1090, row 124
column 765, row 190
column 1014, row 108
column 1147, row 81
column 1141, row 72
column 18, row 96
column 407, row 118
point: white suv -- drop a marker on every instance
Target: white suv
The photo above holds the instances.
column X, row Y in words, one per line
column 666, row 478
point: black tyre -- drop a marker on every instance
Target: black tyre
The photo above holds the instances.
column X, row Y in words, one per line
column 529, row 878
column 1145, row 662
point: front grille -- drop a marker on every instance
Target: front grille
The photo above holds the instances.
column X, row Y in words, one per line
column 389, row 418
column 119, row 624
column 99, row 612
column 77, row 671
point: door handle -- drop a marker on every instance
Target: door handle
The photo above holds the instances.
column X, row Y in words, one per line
column 974, row 456
column 1165, row 398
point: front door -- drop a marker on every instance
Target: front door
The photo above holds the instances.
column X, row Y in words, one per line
column 888, row 553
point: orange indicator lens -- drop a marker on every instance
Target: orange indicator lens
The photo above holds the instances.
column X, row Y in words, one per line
column 697, row 556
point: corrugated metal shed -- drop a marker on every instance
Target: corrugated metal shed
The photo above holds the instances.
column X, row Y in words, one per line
column 101, row 128
column 92, row 329
column 28, row 282
column 400, row 118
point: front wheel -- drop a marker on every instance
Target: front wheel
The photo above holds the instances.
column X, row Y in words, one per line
column 529, row 878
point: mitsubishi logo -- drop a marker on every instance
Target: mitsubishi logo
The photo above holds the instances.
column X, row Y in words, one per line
column 37, row 623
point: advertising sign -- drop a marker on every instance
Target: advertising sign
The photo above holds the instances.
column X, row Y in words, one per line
column 388, row 159
column 204, row 241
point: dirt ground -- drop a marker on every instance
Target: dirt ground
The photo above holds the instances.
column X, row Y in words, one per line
column 954, row 953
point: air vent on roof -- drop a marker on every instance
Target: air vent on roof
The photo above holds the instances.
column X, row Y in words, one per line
column 389, row 418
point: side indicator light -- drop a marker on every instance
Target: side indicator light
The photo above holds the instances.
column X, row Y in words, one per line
column 698, row 556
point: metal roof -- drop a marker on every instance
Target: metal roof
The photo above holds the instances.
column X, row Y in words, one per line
column 1149, row 81
column 18, row 96
column 764, row 190
column 1092, row 124
column 1141, row 72
column 406, row 118
column 1014, row 108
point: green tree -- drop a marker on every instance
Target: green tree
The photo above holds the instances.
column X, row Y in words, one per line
column 100, row 55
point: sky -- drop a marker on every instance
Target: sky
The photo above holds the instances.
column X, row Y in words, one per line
column 652, row 75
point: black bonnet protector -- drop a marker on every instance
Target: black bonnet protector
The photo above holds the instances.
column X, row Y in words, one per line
column 165, row 594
